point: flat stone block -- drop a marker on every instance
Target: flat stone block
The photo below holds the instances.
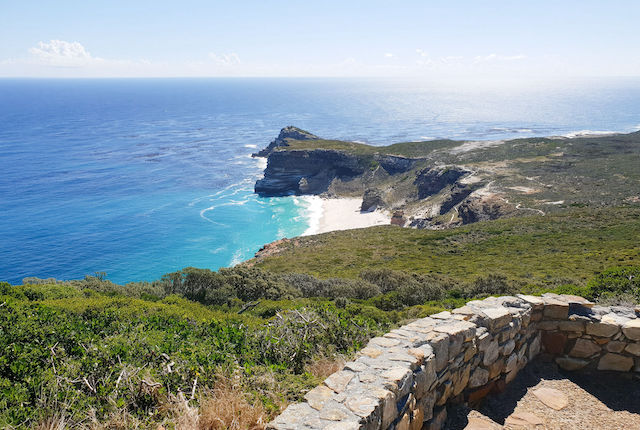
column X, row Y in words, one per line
column 585, row 348
column 615, row 346
column 318, row 396
column 632, row 329
column 464, row 328
column 602, row 329
column 339, row 380
column 497, row 317
column 615, row 362
column 551, row 397
column 570, row 363
column 633, row 348
column 554, row 309
column 572, row 326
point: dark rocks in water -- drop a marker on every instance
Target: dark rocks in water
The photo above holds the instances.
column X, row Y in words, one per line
column 431, row 181
column 458, row 193
column 484, row 208
column 307, row 171
column 287, row 133
column 371, row 200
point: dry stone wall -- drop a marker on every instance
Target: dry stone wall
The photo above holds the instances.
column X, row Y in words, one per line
column 405, row 379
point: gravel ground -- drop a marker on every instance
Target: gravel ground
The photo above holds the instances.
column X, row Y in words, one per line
column 597, row 400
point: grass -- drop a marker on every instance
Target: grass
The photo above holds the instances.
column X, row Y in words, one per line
column 572, row 245
column 406, row 149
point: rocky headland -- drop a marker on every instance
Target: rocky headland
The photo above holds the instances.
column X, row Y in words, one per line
column 445, row 183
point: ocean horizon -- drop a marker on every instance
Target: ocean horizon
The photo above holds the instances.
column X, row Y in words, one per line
column 141, row 177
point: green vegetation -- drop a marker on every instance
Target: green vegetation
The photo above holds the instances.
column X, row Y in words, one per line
column 565, row 247
column 86, row 357
column 406, row 149
column 91, row 353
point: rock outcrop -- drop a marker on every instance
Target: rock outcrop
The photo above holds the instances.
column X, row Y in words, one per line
column 287, row 133
column 432, row 180
column 483, row 208
column 298, row 172
column 457, row 194
column 371, row 200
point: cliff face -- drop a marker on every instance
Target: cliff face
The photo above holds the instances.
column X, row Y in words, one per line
column 297, row 172
column 306, row 172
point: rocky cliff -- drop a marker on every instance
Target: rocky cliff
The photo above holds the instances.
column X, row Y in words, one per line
column 438, row 184
column 306, row 172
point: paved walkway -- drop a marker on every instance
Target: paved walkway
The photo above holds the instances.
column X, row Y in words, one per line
column 542, row 397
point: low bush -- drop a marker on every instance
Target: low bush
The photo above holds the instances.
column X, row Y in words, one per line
column 616, row 281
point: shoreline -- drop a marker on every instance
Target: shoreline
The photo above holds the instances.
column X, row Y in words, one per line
column 343, row 213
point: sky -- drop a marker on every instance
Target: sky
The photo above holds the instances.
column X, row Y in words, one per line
column 368, row 38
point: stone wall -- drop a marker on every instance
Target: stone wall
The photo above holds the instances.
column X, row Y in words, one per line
column 596, row 337
column 405, row 379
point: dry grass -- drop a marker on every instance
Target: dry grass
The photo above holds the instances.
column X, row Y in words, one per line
column 227, row 407
column 57, row 422
column 321, row 368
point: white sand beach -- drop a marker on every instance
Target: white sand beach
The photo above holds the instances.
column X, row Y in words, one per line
column 341, row 214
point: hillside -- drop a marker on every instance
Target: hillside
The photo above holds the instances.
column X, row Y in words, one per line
column 445, row 183
column 564, row 247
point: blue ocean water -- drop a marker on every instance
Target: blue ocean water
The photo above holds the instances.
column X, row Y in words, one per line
column 140, row 177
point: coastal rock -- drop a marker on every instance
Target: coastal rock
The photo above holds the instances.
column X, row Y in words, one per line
column 484, row 207
column 287, row 133
column 371, row 200
column 458, row 193
column 432, row 180
column 394, row 164
column 298, row 172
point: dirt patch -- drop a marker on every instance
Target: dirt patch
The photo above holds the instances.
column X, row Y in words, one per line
column 596, row 401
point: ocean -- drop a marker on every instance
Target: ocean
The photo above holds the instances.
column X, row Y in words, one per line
column 141, row 177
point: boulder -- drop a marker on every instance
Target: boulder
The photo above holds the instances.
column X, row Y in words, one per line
column 371, row 200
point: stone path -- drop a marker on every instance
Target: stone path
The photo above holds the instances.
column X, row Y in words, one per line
column 544, row 398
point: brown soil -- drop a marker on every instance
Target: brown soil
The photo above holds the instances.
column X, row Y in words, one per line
column 597, row 401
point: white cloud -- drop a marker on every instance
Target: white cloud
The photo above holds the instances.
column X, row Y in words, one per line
column 62, row 53
column 225, row 60
column 388, row 55
column 425, row 59
column 496, row 57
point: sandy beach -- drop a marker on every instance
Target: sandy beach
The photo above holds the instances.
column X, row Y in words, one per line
column 341, row 214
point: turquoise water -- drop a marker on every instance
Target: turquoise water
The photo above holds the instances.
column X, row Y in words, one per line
column 140, row 177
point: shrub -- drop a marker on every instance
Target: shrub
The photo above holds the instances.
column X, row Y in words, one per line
column 295, row 336
column 616, row 281
column 403, row 289
column 490, row 285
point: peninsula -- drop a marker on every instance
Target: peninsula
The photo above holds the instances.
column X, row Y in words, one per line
column 446, row 183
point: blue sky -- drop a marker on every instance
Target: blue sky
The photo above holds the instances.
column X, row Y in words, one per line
column 429, row 39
